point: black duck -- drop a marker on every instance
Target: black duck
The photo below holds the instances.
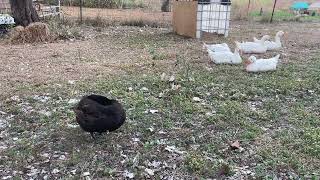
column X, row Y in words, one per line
column 96, row 113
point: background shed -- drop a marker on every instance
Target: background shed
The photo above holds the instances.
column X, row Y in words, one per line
column 5, row 7
column 315, row 6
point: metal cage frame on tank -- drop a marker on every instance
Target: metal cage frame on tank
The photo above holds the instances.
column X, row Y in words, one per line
column 213, row 16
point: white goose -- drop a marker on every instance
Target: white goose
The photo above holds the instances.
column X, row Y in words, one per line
column 225, row 57
column 261, row 65
column 253, row 47
column 274, row 45
column 216, row 47
column 263, row 39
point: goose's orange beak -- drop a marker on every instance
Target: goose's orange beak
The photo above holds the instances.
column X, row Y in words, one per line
column 247, row 62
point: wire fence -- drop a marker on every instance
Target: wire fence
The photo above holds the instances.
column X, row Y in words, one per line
column 135, row 12
column 159, row 11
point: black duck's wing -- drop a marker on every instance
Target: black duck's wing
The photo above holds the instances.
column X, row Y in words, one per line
column 87, row 115
column 89, row 107
column 100, row 99
column 115, row 112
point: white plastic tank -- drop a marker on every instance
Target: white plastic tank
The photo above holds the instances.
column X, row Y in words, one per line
column 213, row 17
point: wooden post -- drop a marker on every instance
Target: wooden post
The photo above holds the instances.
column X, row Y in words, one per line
column 261, row 12
column 80, row 11
column 165, row 6
column 248, row 7
column 274, row 6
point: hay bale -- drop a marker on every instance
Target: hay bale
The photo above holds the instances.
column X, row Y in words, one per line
column 16, row 35
column 37, row 32
column 34, row 33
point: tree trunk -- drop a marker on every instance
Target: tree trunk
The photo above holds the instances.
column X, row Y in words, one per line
column 23, row 12
column 165, row 6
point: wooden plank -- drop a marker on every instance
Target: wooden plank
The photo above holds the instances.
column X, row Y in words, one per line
column 49, row 14
column 185, row 18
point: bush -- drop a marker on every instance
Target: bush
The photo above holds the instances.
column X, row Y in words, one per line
column 62, row 29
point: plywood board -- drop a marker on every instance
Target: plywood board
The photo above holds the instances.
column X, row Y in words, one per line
column 185, row 18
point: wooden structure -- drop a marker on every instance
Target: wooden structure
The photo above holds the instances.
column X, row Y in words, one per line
column 185, row 18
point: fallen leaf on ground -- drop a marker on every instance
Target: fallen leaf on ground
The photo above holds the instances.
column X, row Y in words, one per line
column 128, row 174
column 149, row 171
column 196, row 99
column 154, row 164
column 172, row 78
column 86, row 174
column 151, row 129
column 71, row 82
column 154, row 111
column 173, row 149
column 175, row 87
column 144, row 89
column 55, row 171
column 73, row 101
column 235, row 145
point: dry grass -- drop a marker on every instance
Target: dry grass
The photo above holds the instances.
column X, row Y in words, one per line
column 17, row 34
column 34, row 33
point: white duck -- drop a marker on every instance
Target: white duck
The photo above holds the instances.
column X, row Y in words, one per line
column 272, row 45
column 261, row 65
column 225, row 57
column 252, row 47
column 263, row 39
column 216, row 47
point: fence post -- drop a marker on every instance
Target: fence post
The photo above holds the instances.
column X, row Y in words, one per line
column 248, row 7
column 81, row 11
column 274, row 6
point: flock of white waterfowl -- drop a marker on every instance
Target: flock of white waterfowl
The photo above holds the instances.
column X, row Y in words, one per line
column 222, row 54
